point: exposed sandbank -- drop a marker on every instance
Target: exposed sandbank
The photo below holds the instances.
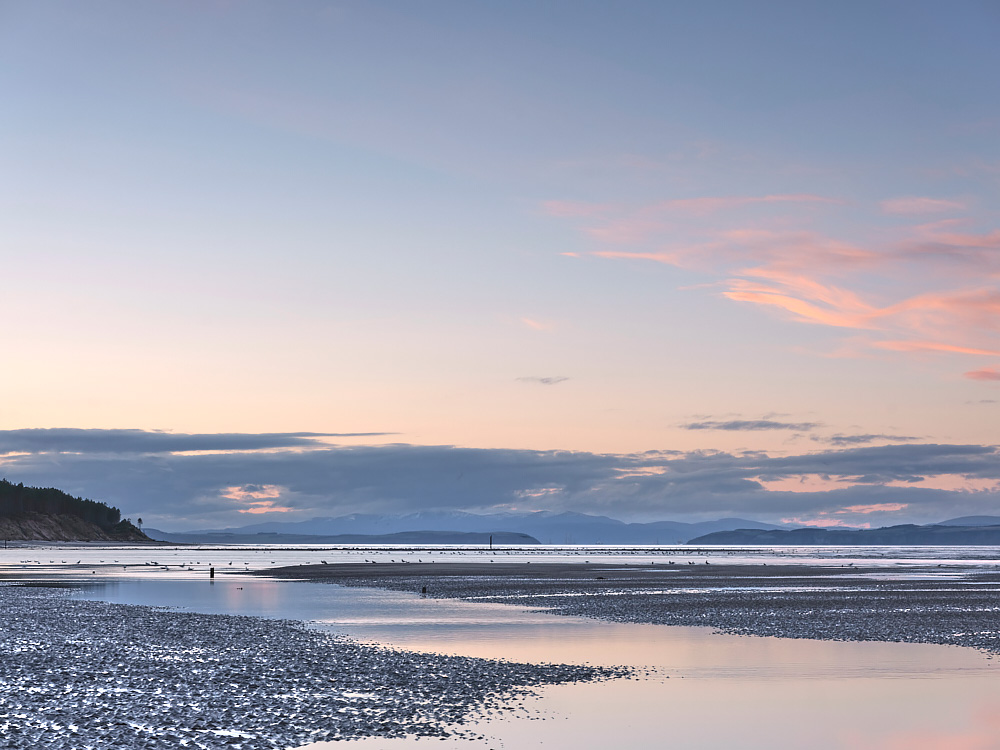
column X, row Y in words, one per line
column 955, row 606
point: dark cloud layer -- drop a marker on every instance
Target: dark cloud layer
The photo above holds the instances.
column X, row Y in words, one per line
column 151, row 478
column 148, row 441
column 750, row 425
column 845, row 440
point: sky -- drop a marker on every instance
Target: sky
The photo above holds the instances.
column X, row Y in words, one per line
column 653, row 260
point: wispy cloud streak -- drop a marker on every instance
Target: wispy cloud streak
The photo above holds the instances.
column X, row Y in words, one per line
column 915, row 205
column 986, row 373
column 850, row 440
column 69, row 440
column 931, row 288
column 551, row 380
column 752, row 425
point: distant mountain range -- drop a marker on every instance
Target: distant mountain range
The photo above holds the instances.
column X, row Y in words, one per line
column 543, row 527
column 547, row 527
column 947, row 533
column 500, row 538
column 971, row 521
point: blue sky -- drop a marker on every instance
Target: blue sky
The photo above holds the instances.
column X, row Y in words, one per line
column 515, row 227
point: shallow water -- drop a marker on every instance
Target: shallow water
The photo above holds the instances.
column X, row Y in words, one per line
column 705, row 690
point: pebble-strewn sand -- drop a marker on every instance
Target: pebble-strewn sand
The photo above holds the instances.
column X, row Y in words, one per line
column 950, row 606
column 82, row 674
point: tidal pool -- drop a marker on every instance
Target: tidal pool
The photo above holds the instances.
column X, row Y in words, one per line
column 699, row 689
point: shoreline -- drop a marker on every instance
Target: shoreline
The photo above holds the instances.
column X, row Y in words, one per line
column 954, row 606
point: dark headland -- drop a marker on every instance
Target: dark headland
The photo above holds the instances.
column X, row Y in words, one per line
column 46, row 514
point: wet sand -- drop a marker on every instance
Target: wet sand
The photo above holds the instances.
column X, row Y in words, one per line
column 955, row 605
column 80, row 674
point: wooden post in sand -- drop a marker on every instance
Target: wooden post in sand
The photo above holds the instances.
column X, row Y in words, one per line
column 211, row 572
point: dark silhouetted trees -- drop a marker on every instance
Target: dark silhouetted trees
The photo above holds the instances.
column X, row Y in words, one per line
column 16, row 499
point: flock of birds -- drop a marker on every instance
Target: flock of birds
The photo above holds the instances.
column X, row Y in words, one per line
column 373, row 556
column 462, row 552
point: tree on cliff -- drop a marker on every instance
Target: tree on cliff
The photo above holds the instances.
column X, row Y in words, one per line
column 16, row 500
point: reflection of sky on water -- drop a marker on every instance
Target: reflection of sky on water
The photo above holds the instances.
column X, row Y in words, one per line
column 705, row 691
column 367, row 614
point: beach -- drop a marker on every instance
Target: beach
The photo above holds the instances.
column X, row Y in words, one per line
column 88, row 674
column 116, row 650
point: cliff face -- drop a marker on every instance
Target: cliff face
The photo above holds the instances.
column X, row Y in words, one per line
column 40, row 527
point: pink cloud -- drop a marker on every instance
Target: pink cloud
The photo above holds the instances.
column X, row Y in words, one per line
column 766, row 252
column 953, row 253
column 706, row 205
column 978, row 307
column 949, row 322
column 692, row 206
column 924, row 740
column 804, row 312
column 874, row 508
column 264, row 506
column 256, row 498
column 960, row 322
column 668, row 258
column 985, row 373
column 829, row 519
column 807, row 299
column 913, row 205
column 697, row 257
column 252, row 492
column 931, row 347
column 825, row 521
column 537, row 325
column 989, row 241
column 628, row 225
column 789, row 276
column 930, row 292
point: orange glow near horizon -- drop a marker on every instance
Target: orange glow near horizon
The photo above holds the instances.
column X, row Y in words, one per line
column 826, row 521
column 257, row 498
column 264, row 506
